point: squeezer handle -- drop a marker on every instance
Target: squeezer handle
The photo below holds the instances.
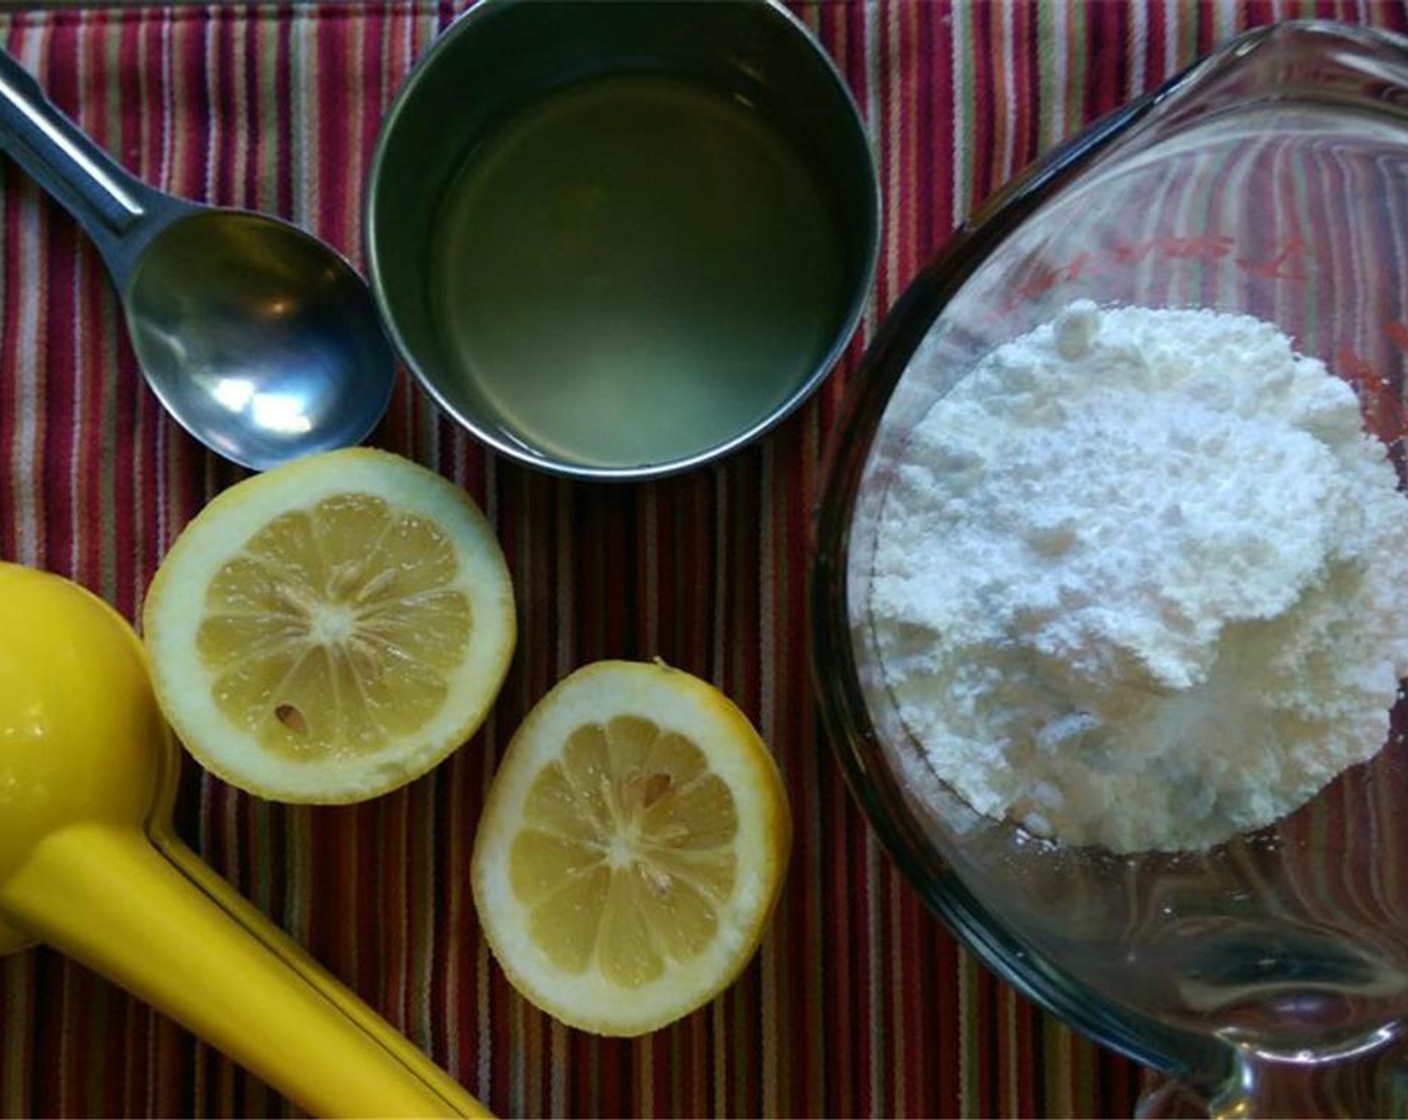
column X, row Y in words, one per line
column 163, row 924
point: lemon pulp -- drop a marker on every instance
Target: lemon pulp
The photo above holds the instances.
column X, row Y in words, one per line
column 626, row 853
column 320, row 641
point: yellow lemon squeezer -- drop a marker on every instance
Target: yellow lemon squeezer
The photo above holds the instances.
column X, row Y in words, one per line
column 90, row 864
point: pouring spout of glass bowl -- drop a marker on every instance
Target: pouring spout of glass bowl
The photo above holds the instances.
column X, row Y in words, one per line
column 90, row 864
column 259, row 339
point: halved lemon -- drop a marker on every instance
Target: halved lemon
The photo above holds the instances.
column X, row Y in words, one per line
column 631, row 848
column 331, row 629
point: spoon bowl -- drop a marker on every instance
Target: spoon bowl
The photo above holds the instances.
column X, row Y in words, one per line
column 259, row 339
column 256, row 337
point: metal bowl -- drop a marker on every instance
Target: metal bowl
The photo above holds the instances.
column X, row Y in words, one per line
column 624, row 309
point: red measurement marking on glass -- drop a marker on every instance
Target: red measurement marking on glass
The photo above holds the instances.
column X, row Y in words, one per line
column 1210, row 247
column 1285, row 260
column 1379, row 403
column 1130, row 254
column 1286, row 263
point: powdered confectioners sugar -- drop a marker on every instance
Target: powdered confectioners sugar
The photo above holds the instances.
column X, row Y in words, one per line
column 1141, row 580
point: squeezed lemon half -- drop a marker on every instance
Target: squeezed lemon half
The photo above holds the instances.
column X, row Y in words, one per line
column 631, row 849
column 331, row 629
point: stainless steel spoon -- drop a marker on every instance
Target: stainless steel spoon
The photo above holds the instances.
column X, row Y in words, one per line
column 258, row 338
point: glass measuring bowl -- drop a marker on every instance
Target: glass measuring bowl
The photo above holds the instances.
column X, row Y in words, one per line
column 1268, row 974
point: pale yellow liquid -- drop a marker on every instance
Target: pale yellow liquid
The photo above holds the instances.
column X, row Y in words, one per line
column 635, row 269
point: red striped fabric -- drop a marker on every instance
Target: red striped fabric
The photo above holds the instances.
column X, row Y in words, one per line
column 859, row 1002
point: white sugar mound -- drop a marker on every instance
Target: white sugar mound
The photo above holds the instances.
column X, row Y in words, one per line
column 1141, row 580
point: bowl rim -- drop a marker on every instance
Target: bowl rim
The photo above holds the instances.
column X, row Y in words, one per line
column 859, row 296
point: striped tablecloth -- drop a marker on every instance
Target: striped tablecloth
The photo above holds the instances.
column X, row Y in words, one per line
column 859, row 1003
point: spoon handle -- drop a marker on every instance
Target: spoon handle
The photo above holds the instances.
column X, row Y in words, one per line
column 107, row 201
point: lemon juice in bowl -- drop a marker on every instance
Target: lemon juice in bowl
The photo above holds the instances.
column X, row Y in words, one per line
column 636, row 268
